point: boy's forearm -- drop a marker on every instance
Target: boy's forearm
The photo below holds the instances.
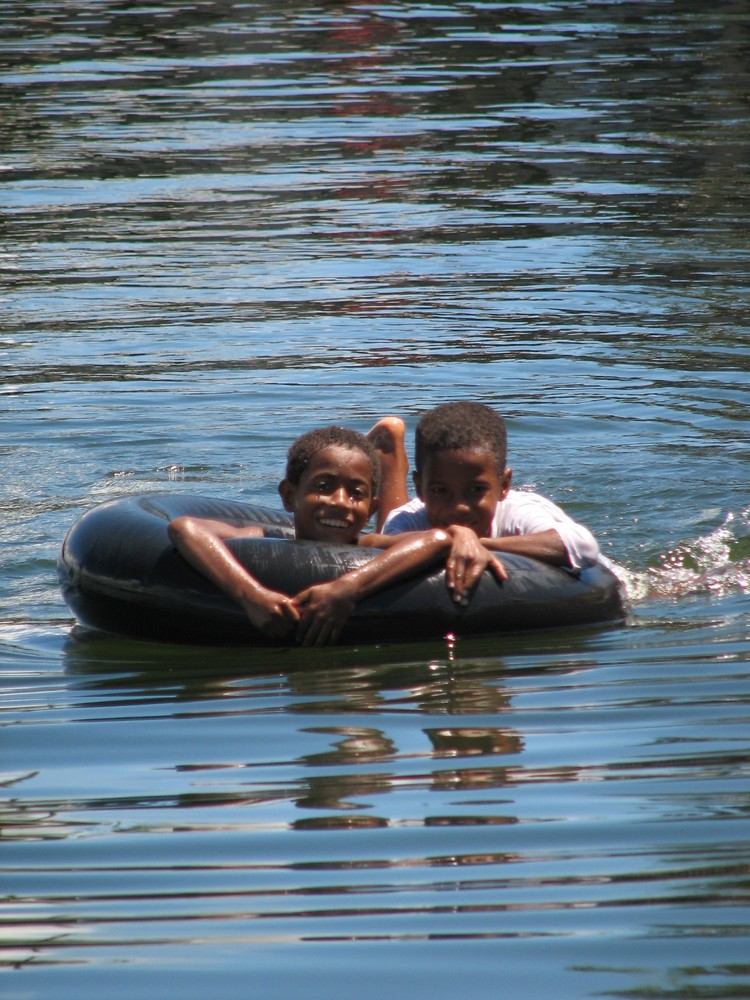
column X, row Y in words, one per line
column 405, row 556
column 546, row 546
column 379, row 541
column 207, row 553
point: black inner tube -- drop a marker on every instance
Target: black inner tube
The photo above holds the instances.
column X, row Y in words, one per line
column 120, row 573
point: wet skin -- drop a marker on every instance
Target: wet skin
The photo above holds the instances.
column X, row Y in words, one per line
column 463, row 488
column 333, row 500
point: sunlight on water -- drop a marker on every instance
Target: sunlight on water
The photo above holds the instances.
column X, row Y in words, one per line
column 717, row 563
column 225, row 223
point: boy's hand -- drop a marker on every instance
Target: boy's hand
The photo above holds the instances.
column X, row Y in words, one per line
column 466, row 562
column 325, row 609
column 273, row 614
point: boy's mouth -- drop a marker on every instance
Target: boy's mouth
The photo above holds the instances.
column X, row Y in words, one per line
column 475, row 524
column 464, row 522
column 334, row 523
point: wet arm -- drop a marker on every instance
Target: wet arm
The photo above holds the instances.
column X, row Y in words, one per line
column 326, row 607
column 466, row 559
column 201, row 543
column 546, row 546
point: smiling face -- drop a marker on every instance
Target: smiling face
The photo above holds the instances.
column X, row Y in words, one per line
column 333, row 500
column 462, row 487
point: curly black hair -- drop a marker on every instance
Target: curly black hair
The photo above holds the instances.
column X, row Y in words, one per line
column 459, row 426
column 302, row 450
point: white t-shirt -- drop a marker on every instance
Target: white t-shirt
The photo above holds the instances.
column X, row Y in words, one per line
column 520, row 513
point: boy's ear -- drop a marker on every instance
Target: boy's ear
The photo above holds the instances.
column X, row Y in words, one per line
column 287, row 492
column 505, row 481
column 374, row 504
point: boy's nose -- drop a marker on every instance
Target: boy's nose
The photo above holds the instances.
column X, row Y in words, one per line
column 341, row 495
column 461, row 510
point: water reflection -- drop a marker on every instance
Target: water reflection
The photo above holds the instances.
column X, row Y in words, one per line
column 542, row 205
column 453, row 677
column 473, row 741
column 362, row 766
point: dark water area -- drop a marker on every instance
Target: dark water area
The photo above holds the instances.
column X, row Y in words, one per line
column 222, row 224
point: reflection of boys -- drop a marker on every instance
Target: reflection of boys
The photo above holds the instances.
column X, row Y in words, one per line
column 463, row 487
column 472, row 741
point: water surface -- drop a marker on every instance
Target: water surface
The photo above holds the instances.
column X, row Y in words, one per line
column 225, row 223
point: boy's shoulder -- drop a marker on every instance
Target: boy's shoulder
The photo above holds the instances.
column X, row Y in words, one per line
column 511, row 514
column 410, row 516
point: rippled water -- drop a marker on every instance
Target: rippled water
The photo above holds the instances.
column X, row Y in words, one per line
column 225, row 223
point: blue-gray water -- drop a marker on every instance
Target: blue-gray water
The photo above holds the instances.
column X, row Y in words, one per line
column 224, row 223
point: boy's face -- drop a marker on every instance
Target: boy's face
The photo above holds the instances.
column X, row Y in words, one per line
column 462, row 487
column 333, row 500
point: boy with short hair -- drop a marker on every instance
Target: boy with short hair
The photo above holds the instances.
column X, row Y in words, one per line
column 331, row 487
column 463, row 487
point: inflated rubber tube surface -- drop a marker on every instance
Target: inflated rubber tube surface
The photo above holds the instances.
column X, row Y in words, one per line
column 119, row 573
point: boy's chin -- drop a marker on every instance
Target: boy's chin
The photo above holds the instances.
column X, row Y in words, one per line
column 480, row 530
column 338, row 536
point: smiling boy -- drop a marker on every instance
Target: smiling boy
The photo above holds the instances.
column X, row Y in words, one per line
column 463, row 487
column 331, row 487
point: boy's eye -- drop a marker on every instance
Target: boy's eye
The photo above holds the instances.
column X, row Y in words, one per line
column 327, row 486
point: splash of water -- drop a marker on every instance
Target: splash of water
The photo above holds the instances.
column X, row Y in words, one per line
column 717, row 563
